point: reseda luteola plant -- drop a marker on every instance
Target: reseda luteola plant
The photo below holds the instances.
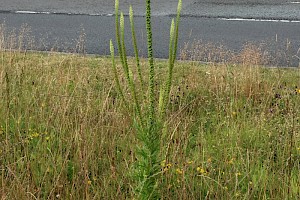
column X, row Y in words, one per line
column 149, row 125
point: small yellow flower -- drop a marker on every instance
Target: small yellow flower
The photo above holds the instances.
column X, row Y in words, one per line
column 209, row 160
column 298, row 91
column 166, row 167
column 89, row 182
column 163, row 163
column 169, row 165
column 179, row 171
column 201, row 170
column 238, row 174
column 35, row 135
column 190, row 162
column 231, row 161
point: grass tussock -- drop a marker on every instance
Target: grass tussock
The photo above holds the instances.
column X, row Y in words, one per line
column 265, row 53
column 232, row 132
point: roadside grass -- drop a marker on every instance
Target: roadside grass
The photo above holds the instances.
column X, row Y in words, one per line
column 232, row 130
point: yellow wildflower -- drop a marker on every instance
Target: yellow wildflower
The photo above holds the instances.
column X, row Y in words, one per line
column 179, row 171
column 169, row 165
column 163, row 163
column 35, row 135
column 89, row 182
column 231, row 161
column 201, row 170
column 190, row 162
column 166, row 167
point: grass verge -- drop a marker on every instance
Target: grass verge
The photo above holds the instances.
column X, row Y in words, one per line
column 232, row 131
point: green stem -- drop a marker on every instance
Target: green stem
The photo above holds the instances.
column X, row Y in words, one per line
column 112, row 52
column 129, row 75
column 168, row 82
column 135, row 45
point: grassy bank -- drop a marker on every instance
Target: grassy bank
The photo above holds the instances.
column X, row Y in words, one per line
column 232, row 131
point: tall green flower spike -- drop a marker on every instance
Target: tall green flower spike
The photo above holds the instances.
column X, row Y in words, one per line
column 177, row 29
column 118, row 30
column 172, row 57
column 150, row 133
column 136, row 52
column 126, row 69
column 151, row 68
column 112, row 53
column 167, row 86
column 123, row 48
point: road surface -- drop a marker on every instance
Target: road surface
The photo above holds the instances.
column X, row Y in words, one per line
column 232, row 23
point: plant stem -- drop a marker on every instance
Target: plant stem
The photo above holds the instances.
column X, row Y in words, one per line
column 151, row 119
column 136, row 52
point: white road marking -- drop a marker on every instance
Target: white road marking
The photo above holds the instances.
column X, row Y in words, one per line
column 260, row 20
column 110, row 14
column 30, row 12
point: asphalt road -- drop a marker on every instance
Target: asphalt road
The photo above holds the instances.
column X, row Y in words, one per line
column 203, row 20
column 277, row 9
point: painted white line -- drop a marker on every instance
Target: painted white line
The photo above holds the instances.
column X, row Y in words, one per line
column 30, row 12
column 26, row 12
column 57, row 13
column 295, row 2
column 110, row 14
column 259, row 20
